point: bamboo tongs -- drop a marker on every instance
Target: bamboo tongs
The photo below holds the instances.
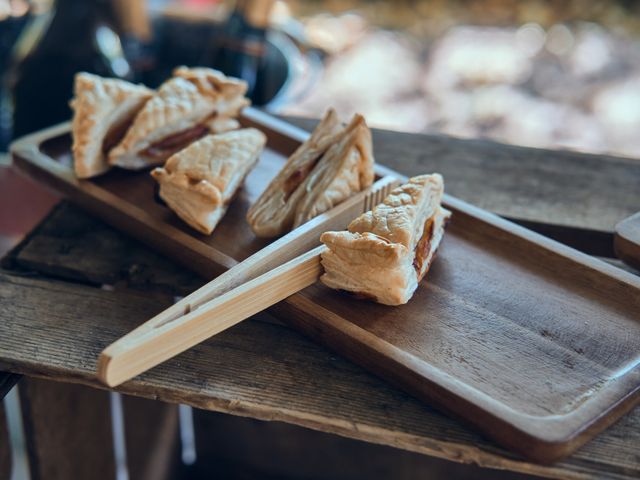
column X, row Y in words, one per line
column 272, row 274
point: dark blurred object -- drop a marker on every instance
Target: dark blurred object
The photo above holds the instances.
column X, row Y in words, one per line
column 118, row 38
column 137, row 36
column 179, row 41
column 241, row 50
column 83, row 36
column 13, row 17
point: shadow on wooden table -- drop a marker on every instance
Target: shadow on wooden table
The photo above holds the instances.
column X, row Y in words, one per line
column 244, row 448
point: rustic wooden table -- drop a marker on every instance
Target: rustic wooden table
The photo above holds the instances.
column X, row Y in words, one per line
column 74, row 285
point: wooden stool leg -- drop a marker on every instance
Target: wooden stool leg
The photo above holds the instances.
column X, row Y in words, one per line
column 5, row 445
column 67, row 430
column 151, row 437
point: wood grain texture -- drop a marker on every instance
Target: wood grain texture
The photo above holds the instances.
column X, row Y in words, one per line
column 174, row 330
column 151, row 438
column 72, row 255
column 5, row 445
column 67, row 245
column 282, row 377
column 570, row 189
column 513, row 398
column 160, row 338
column 486, row 341
column 67, row 430
column 157, row 273
column 627, row 240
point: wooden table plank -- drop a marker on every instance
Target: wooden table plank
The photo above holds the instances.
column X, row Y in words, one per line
column 72, row 244
column 587, row 192
column 5, row 445
column 56, row 330
column 67, row 430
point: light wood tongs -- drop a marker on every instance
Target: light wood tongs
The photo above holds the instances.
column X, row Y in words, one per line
column 270, row 275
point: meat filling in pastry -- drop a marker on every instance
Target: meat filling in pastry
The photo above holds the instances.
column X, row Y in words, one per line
column 103, row 110
column 167, row 146
column 192, row 104
column 115, row 134
column 333, row 164
column 199, row 182
column 388, row 250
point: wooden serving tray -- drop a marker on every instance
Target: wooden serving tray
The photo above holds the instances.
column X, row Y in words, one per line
column 534, row 343
column 626, row 241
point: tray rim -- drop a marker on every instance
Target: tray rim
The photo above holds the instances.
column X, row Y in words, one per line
column 625, row 245
column 25, row 149
column 553, row 437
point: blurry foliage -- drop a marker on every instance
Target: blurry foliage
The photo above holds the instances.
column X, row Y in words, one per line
column 536, row 73
column 430, row 18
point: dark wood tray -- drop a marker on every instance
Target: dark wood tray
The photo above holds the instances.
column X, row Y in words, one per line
column 626, row 240
column 534, row 343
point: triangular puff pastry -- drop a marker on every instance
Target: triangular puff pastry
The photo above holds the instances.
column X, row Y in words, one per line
column 388, row 250
column 335, row 162
column 228, row 93
column 198, row 182
column 192, row 104
column 103, row 109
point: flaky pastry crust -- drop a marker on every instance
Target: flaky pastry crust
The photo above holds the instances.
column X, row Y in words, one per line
column 199, row 182
column 199, row 98
column 333, row 164
column 99, row 105
column 388, row 250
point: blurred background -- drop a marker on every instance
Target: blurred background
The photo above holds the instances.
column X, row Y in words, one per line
column 530, row 72
column 551, row 74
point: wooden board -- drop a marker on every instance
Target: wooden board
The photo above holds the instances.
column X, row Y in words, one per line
column 51, row 249
column 532, row 342
column 627, row 240
column 377, row 413
column 55, row 329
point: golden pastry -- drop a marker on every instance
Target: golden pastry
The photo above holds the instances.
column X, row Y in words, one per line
column 333, row 164
column 192, row 104
column 103, row 109
column 228, row 92
column 387, row 251
column 199, row 181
